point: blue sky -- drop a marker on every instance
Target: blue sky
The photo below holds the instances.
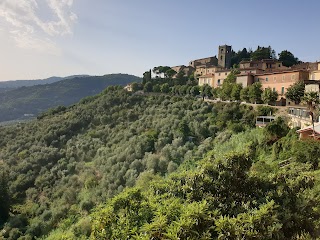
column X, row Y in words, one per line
column 43, row 38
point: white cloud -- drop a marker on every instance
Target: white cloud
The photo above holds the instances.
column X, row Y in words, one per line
column 29, row 30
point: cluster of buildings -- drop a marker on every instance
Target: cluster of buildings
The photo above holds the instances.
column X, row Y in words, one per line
column 271, row 73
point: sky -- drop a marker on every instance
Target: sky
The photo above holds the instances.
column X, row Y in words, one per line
column 44, row 38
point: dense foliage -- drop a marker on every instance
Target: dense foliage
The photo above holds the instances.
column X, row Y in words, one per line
column 285, row 56
column 16, row 103
column 244, row 189
column 288, row 59
column 71, row 159
column 296, row 92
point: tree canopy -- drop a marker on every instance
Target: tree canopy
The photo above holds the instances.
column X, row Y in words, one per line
column 287, row 58
column 296, row 92
column 263, row 53
column 269, row 96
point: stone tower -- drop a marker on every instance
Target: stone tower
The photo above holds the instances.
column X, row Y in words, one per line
column 224, row 56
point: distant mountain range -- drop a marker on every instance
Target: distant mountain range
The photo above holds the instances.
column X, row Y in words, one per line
column 27, row 101
column 9, row 85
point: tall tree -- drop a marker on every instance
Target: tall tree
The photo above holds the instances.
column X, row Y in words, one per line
column 146, row 77
column 235, row 93
column 170, row 73
column 287, row 58
column 161, row 71
column 296, row 92
column 228, row 84
column 263, row 53
column 205, row 91
column 244, row 94
column 237, row 57
column 255, row 91
column 147, row 87
column 269, row 96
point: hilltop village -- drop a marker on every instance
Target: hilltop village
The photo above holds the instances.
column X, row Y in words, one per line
column 248, row 76
column 270, row 73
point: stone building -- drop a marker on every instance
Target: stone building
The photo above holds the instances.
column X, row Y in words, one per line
column 188, row 70
column 209, row 61
column 315, row 72
column 264, row 65
column 224, row 56
column 204, row 70
column 210, row 65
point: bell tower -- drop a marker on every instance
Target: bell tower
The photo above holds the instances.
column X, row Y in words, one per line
column 224, row 56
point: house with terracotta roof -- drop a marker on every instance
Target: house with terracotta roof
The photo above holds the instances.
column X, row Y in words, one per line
column 310, row 132
column 265, row 65
column 280, row 80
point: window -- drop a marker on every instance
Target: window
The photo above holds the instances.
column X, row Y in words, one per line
column 293, row 77
column 266, row 79
column 219, row 74
column 219, row 82
column 226, row 74
column 221, row 58
column 274, row 78
column 279, row 65
column 282, row 90
column 274, row 89
column 283, row 77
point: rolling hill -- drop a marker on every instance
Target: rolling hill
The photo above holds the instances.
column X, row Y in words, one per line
column 26, row 102
column 10, row 85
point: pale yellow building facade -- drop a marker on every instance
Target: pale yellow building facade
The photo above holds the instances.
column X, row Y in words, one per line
column 315, row 74
column 206, row 79
column 220, row 76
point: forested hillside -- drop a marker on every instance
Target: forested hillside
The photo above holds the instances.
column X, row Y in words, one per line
column 24, row 102
column 9, row 85
column 257, row 184
column 59, row 167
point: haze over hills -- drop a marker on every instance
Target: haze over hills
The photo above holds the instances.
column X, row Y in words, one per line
column 9, row 85
column 25, row 102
